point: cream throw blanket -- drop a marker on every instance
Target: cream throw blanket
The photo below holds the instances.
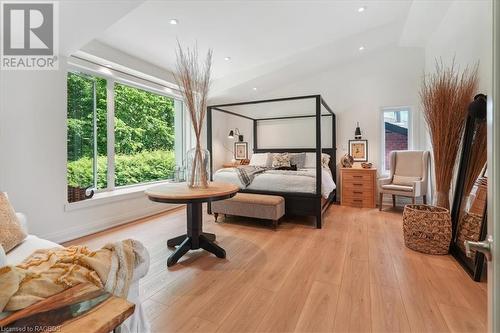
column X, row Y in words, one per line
column 50, row 271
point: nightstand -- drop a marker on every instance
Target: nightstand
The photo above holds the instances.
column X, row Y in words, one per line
column 358, row 187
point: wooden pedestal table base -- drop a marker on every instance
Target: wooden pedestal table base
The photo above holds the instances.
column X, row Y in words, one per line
column 194, row 198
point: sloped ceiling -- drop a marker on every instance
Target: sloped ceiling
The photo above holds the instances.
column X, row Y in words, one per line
column 81, row 21
column 270, row 42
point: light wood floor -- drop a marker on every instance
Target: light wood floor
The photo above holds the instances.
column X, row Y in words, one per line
column 353, row 275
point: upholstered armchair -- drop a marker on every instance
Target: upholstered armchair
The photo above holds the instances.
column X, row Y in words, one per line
column 408, row 176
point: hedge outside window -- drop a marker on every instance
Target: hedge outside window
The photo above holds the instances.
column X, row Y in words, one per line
column 143, row 134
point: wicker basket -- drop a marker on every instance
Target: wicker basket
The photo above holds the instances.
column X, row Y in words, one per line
column 469, row 229
column 79, row 193
column 427, row 228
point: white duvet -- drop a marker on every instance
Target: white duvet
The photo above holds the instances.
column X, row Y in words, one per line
column 303, row 181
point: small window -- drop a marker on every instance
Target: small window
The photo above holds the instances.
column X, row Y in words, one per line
column 396, row 132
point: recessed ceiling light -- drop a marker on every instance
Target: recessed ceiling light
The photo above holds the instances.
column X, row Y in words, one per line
column 361, row 48
column 254, row 89
column 174, row 21
column 361, row 9
column 227, row 58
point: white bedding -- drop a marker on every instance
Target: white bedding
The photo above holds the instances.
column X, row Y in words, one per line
column 303, row 181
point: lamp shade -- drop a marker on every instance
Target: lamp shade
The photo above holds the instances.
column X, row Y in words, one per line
column 357, row 132
column 231, row 134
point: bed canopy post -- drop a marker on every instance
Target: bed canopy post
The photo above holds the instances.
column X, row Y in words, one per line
column 318, row 159
column 209, row 139
column 254, row 134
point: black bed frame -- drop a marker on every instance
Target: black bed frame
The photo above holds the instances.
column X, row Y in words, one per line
column 296, row 203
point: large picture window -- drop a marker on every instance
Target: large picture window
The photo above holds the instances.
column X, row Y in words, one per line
column 144, row 136
column 130, row 141
column 395, row 132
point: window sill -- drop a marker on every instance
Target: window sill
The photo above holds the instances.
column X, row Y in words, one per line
column 102, row 198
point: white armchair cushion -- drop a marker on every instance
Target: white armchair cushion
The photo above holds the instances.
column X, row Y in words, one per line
column 409, row 163
column 400, row 188
column 384, row 181
column 405, row 180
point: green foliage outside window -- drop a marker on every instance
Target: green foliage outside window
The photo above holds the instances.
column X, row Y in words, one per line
column 144, row 134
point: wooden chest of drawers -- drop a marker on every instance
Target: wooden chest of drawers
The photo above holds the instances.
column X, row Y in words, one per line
column 358, row 187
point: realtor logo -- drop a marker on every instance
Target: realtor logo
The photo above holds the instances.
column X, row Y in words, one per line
column 29, row 36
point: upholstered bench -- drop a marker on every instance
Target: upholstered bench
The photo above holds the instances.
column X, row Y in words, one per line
column 260, row 206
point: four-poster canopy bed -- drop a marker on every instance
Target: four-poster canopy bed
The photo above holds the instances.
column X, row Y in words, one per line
column 300, row 203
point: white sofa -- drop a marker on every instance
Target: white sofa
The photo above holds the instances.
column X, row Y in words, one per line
column 137, row 323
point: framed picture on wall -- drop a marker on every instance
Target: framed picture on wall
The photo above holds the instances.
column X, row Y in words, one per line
column 358, row 149
column 241, row 150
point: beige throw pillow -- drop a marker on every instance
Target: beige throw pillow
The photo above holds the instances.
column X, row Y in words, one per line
column 11, row 232
column 281, row 160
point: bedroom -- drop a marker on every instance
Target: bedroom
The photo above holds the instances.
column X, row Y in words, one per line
column 82, row 142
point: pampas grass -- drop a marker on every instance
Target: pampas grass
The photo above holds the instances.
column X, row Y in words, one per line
column 193, row 79
column 445, row 97
column 478, row 157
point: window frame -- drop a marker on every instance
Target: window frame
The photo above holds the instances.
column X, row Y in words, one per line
column 112, row 77
column 384, row 109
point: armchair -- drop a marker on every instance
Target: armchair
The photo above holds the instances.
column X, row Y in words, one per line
column 408, row 176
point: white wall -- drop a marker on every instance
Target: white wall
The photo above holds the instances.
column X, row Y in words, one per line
column 33, row 159
column 357, row 90
column 223, row 147
column 465, row 33
column 293, row 133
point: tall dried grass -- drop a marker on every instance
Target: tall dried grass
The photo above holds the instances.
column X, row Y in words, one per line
column 194, row 80
column 478, row 157
column 445, row 97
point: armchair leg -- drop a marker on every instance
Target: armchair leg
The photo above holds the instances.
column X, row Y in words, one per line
column 413, row 200
column 381, row 198
column 424, row 198
column 393, row 200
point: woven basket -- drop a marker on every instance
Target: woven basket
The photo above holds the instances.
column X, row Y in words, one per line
column 469, row 229
column 78, row 194
column 427, row 228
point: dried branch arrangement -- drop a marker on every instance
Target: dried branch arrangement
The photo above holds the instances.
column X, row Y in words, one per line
column 445, row 97
column 193, row 79
column 478, row 157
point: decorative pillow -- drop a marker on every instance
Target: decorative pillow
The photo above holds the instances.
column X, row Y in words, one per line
column 260, row 159
column 298, row 159
column 325, row 159
column 292, row 167
column 404, row 180
column 310, row 161
column 281, row 160
column 3, row 257
column 11, row 232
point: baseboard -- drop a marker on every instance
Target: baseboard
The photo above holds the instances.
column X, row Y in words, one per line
column 101, row 225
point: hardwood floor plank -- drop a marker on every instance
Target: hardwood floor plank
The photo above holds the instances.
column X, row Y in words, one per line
column 247, row 314
column 459, row 322
column 388, row 313
column 354, row 275
column 319, row 310
column 353, row 309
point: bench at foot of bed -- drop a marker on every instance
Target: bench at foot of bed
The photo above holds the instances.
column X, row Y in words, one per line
column 260, row 206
